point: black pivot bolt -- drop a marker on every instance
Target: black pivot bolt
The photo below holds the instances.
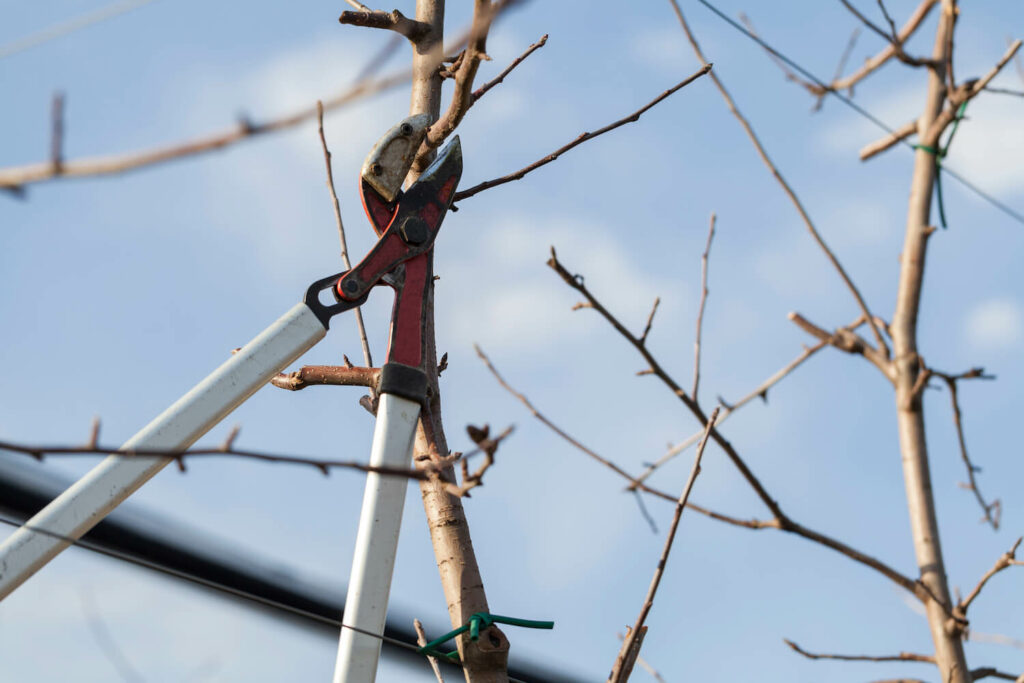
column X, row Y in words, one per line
column 414, row 231
column 350, row 286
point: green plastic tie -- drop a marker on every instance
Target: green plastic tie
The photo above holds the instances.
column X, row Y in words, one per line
column 940, row 154
column 478, row 621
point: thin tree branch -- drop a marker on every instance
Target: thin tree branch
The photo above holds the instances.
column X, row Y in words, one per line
column 893, row 38
column 644, row 664
column 700, row 309
column 994, row 638
column 391, row 21
column 748, row 524
column 780, row 522
column 486, row 445
column 57, row 131
column 887, row 53
column 106, row 641
column 650, row 320
column 760, row 392
column 1007, row 559
column 849, row 341
column 17, row 177
column 893, row 33
column 363, row 341
column 580, row 139
column 421, row 640
column 901, row 657
column 226, row 449
column 337, row 375
column 965, row 93
column 500, row 78
column 883, row 348
column 992, row 672
column 465, row 68
column 620, row 672
column 889, row 141
column 991, row 510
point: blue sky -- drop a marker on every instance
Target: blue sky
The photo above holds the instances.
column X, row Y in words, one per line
column 121, row 293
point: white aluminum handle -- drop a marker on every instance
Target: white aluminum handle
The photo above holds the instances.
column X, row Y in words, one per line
column 93, row 496
column 366, row 605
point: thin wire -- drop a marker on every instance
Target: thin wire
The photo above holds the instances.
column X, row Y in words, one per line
column 860, row 110
column 206, row 583
column 70, row 26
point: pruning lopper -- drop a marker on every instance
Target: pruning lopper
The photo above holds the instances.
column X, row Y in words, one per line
column 407, row 224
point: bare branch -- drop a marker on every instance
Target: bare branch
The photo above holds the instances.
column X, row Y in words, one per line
column 1007, row 559
column 883, row 348
column 179, row 456
column 16, row 177
column 391, row 21
column 893, row 33
column 57, row 131
column 421, row 640
column 700, row 309
column 889, row 141
column 363, row 341
column 901, row 657
column 781, row 521
column 965, row 93
column 872, row 64
column 893, row 38
column 650, row 319
column 486, row 445
column 849, row 341
column 338, row 375
column 620, row 671
column 991, row 510
column 992, row 672
column 760, row 392
column 994, row 638
column 580, row 139
column 645, row 665
column 500, row 78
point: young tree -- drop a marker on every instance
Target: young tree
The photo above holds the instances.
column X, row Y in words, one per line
column 549, row 535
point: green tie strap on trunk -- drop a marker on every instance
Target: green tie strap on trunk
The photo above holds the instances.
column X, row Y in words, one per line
column 474, row 625
column 939, row 154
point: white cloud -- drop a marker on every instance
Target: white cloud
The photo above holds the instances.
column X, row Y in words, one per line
column 996, row 324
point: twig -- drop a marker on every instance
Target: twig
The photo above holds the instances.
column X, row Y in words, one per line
column 781, row 520
column 392, row 21
column 106, row 642
column 790, row 75
column 1004, row 91
column 421, row 640
column 619, row 672
column 841, row 65
column 889, row 141
column 64, row 28
column 951, row 381
column 57, row 131
column 179, row 456
column 1007, row 559
column 363, row 341
column 883, row 348
column 965, row 93
column 628, row 655
column 992, row 672
column 650, row 319
column 749, row 524
column 645, row 665
column 782, row 523
column 760, row 392
column 700, row 309
column 580, row 139
column 500, row 78
column 465, row 68
column 893, row 38
column 994, row 638
column 887, row 53
column 901, row 657
column 486, row 445
column 893, row 34
column 358, row 5
column 338, row 375
column 849, row 341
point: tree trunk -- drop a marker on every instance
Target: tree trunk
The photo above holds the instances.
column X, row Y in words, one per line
column 486, row 660
column 949, row 652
